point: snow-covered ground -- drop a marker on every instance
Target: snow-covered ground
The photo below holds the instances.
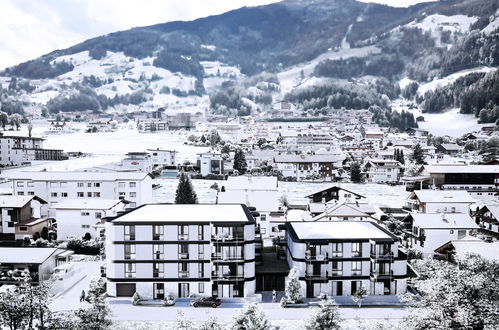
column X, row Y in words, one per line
column 455, row 23
column 436, row 83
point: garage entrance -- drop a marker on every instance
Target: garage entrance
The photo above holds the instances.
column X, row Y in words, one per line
column 125, row 289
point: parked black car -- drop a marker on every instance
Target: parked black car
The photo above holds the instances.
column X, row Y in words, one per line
column 207, row 302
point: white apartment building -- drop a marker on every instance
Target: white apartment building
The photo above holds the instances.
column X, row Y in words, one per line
column 432, row 230
column 15, row 150
column 339, row 257
column 137, row 161
column 79, row 217
column 303, row 166
column 162, row 157
column 433, row 201
column 210, row 163
column 197, row 249
column 382, row 171
column 55, row 187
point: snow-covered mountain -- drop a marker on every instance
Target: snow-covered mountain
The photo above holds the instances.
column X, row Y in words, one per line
column 319, row 54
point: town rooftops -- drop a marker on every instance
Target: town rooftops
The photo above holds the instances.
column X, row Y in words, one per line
column 333, row 187
column 450, row 146
column 17, row 201
column 20, row 137
column 459, row 168
column 308, row 158
column 441, row 196
column 443, row 221
column 187, row 213
column 244, row 182
column 338, row 230
column 340, row 211
column 163, row 150
column 469, row 244
column 75, row 176
column 25, row 255
column 87, row 204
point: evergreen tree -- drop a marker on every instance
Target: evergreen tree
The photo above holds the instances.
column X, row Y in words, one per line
column 97, row 316
column 401, row 157
column 203, row 138
column 240, row 161
column 293, row 289
column 327, row 317
column 417, row 154
column 251, row 318
column 185, row 193
column 355, row 172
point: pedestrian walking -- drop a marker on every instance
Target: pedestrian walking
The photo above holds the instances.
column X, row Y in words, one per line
column 274, row 296
column 82, row 295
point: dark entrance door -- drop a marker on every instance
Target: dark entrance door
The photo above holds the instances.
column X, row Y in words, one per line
column 125, row 289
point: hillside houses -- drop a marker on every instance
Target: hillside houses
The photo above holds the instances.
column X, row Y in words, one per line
column 302, row 167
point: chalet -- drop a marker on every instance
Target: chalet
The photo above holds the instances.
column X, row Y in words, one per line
column 345, row 212
column 22, row 216
column 431, row 230
column 449, row 148
column 301, row 167
column 469, row 245
column 488, row 219
column 382, row 171
column 432, row 201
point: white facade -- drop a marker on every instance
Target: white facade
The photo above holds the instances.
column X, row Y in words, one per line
column 77, row 217
column 434, row 201
column 336, row 258
column 15, row 150
column 210, row 163
column 161, row 157
column 55, row 187
column 181, row 249
column 382, row 171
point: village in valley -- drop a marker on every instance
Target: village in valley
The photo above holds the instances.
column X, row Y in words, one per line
column 282, row 214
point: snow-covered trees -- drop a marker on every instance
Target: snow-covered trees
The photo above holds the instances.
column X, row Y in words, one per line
column 293, row 289
column 417, row 154
column 462, row 296
column 251, row 318
column 327, row 317
column 185, row 193
column 97, row 316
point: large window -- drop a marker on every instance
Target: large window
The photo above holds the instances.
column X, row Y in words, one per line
column 158, row 232
column 200, row 270
column 129, row 233
column 158, row 251
column 129, row 251
column 183, row 233
column 337, row 268
column 356, row 268
column 356, row 249
column 183, row 269
column 200, row 232
column 183, row 251
column 129, row 270
column 200, row 251
column 158, row 269
column 337, row 249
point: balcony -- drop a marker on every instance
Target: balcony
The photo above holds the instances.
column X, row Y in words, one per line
column 183, row 274
column 381, row 256
column 227, row 238
column 226, row 258
column 381, row 275
column 317, row 258
column 220, row 276
column 314, row 276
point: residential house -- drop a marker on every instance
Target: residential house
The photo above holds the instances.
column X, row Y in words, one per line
column 488, row 219
column 339, row 257
column 18, row 215
column 449, row 148
column 434, row 201
column 17, row 150
column 469, row 245
column 181, row 249
column 162, row 157
column 382, row 171
column 301, row 167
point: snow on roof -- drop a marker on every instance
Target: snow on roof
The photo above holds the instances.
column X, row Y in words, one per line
column 187, row 213
column 442, row 196
column 342, row 210
column 443, row 220
column 494, row 209
column 75, row 176
column 244, row 182
column 87, row 204
column 488, row 250
column 338, row 230
column 459, row 168
column 450, row 146
column 262, row 200
column 333, row 187
column 14, row 201
column 25, row 255
column 308, row 158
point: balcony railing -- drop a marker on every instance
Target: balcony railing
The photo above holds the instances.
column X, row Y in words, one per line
column 317, row 257
column 381, row 275
column 183, row 273
column 227, row 238
column 382, row 255
column 225, row 276
column 183, row 255
column 314, row 276
column 183, row 237
column 220, row 257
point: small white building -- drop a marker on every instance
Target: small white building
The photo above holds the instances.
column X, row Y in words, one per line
column 432, row 230
column 79, row 217
column 339, row 257
column 301, row 167
column 202, row 249
column 210, row 163
column 382, row 171
column 162, row 157
column 137, row 161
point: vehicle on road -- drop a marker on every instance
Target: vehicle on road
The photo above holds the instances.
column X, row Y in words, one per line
column 206, row 302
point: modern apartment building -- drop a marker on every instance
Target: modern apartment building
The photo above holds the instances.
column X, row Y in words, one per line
column 55, row 187
column 338, row 257
column 182, row 250
column 15, row 150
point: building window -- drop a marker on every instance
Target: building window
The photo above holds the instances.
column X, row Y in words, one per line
column 337, row 268
column 80, row 185
column 64, row 194
column 158, row 269
column 157, row 232
column 96, row 194
column 183, row 233
column 200, row 232
column 89, row 194
column 31, row 193
column 356, row 267
column 158, row 251
column 129, row 233
column 20, row 193
column 356, row 249
column 97, row 184
column 133, row 194
column 337, row 250
column 23, row 228
column 183, row 251
column 200, row 270
column 263, row 217
column 132, row 184
column 20, row 184
column 183, row 269
column 121, row 184
column 121, row 195
column 200, row 251
column 80, row 194
column 201, row 287
column 85, row 214
column 129, row 251
column 85, row 226
column 98, row 215
column 129, row 270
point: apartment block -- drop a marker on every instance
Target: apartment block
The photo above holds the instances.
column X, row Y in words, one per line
column 181, row 250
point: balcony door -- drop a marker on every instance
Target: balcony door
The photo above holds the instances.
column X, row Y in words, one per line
column 183, row 290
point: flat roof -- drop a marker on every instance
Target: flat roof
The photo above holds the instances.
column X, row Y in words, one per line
column 187, row 213
column 75, row 176
column 338, row 230
column 462, row 169
column 87, row 204
column 442, row 196
column 244, row 182
column 25, row 255
column 443, row 221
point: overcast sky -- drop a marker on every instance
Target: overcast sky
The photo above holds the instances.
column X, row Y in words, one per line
column 30, row 28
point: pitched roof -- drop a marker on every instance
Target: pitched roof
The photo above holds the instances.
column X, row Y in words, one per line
column 451, row 146
column 17, row 201
column 442, row 196
column 75, row 176
column 308, row 158
column 25, row 255
column 87, row 204
column 335, row 187
column 338, row 230
column 341, row 210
